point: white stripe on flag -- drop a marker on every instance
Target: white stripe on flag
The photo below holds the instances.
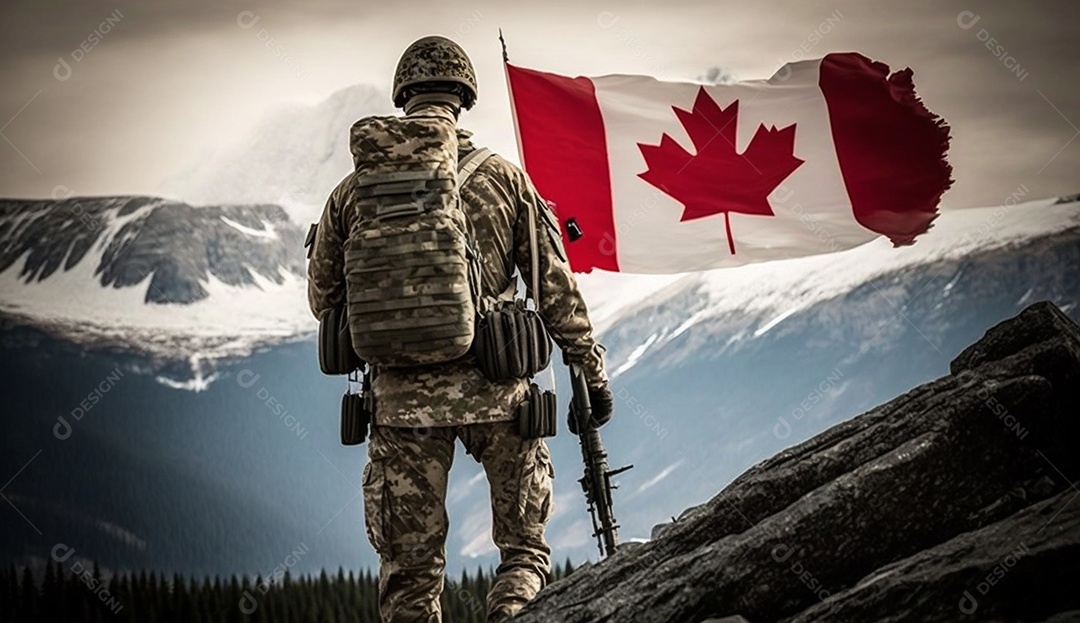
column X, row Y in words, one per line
column 812, row 210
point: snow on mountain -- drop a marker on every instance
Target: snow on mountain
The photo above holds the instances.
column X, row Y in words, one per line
column 177, row 282
column 162, row 278
column 749, row 301
column 294, row 158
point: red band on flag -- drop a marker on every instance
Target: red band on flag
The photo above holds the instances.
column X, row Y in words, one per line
column 891, row 149
column 564, row 151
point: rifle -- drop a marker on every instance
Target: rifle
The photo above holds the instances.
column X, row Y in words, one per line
column 597, row 479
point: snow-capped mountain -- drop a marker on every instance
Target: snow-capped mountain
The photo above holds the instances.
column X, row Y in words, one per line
column 210, row 271
column 742, row 304
column 167, row 279
column 293, row 158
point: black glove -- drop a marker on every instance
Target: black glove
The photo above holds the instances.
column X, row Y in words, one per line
column 602, row 402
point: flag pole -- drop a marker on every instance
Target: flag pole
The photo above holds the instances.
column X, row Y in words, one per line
column 510, row 92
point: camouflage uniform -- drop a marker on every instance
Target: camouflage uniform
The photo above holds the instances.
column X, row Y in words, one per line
column 404, row 505
column 421, row 411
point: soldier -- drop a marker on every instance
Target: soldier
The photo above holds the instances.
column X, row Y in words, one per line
column 421, row 411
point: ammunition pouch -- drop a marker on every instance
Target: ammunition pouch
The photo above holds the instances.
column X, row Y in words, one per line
column 510, row 342
column 336, row 354
column 356, row 412
column 536, row 415
column 355, row 419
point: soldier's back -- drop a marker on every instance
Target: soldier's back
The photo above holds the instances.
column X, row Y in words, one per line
column 455, row 392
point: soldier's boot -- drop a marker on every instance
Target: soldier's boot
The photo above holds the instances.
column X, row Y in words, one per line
column 405, row 516
column 519, row 473
column 513, row 588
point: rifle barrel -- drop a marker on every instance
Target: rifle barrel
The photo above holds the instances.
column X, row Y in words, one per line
column 597, row 478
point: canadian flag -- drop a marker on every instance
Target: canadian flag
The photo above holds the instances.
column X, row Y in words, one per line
column 663, row 177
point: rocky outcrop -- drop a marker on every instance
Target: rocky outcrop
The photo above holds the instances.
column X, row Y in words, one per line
column 130, row 239
column 952, row 502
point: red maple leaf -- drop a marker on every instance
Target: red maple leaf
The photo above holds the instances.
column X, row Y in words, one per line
column 716, row 178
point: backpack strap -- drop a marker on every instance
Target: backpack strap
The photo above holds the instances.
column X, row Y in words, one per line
column 534, row 259
column 466, row 167
column 470, row 163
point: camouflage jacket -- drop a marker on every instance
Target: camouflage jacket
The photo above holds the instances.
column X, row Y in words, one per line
column 496, row 200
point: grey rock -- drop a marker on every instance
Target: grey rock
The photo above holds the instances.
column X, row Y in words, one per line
column 999, row 572
column 930, row 490
column 176, row 245
column 1071, row 616
column 1035, row 325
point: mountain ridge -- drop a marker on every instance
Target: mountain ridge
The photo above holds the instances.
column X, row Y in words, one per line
column 184, row 283
column 166, row 278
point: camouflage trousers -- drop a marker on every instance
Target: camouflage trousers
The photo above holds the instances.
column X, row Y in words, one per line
column 404, row 487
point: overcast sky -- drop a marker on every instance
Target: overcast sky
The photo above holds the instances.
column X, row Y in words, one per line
column 150, row 85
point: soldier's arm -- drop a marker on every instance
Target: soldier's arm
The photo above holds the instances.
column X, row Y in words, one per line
column 560, row 302
column 326, row 270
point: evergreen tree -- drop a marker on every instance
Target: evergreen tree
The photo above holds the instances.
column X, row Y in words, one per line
column 176, row 605
column 68, row 593
column 48, row 607
column 117, row 590
column 159, row 595
column 9, row 593
column 153, row 598
column 30, row 596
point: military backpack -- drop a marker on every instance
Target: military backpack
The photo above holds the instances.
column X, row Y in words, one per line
column 411, row 273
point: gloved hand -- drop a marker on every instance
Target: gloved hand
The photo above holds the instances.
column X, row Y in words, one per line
column 602, row 402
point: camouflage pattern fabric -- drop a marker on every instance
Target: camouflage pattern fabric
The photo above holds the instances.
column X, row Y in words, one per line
column 407, row 261
column 404, row 488
column 495, row 200
column 433, row 59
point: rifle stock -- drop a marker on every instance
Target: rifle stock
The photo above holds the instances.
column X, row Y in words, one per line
column 596, row 481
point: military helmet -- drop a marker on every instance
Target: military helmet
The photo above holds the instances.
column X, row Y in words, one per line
column 434, row 59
